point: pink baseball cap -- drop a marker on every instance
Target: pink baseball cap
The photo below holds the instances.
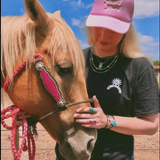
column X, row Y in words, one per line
column 112, row 14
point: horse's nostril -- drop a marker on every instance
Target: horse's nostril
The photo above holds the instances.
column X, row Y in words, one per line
column 90, row 145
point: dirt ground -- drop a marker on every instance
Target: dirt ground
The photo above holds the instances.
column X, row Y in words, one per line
column 146, row 147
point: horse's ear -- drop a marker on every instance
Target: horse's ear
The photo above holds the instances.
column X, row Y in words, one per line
column 57, row 13
column 38, row 15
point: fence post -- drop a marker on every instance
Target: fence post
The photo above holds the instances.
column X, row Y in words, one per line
column 17, row 139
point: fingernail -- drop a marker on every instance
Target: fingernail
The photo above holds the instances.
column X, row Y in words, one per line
column 92, row 110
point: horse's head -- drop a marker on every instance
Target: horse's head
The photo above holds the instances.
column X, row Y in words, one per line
column 48, row 35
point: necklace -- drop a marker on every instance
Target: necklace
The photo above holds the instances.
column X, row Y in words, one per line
column 100, row 68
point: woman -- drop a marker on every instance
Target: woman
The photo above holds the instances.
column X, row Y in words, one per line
column 121, row 81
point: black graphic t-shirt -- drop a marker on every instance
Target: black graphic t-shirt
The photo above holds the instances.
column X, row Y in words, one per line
column 128, row 89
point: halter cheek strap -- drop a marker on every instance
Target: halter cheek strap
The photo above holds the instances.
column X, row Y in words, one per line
column 50, row 84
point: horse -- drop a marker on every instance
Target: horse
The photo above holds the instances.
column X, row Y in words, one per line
column 27, row 39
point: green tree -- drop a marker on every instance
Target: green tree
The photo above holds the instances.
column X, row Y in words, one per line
column 156, row 63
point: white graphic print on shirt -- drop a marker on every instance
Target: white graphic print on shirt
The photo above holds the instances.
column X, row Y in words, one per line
column 116, row 84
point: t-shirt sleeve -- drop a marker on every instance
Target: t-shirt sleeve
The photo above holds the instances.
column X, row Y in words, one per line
column 146, row 100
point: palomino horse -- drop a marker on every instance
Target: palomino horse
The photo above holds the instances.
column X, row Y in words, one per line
column 49, row 36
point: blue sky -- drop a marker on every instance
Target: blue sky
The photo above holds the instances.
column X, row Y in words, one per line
column 75, row 12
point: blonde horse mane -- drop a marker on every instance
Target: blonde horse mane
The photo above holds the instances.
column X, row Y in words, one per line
column 14, row 50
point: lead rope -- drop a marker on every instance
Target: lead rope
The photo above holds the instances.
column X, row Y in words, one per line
column 27, row 133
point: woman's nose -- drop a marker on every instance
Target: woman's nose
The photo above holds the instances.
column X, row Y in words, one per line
column 105, row 33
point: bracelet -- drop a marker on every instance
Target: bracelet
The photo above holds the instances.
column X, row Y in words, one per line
column 110, row 122
column 107, row 121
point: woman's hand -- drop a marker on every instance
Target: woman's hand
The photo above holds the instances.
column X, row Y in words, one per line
column 21, row 115
column 91, row 117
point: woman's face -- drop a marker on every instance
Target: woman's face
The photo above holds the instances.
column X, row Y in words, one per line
column 105, row 39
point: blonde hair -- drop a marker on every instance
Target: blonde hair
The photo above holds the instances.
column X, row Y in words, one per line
column 128, row 46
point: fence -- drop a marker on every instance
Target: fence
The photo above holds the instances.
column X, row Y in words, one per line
column 146, row 147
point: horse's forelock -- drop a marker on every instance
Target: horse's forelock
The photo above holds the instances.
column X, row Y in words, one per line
column 64, row 41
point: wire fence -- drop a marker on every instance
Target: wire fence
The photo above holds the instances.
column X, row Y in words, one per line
column 46, row 150
column 3, row 130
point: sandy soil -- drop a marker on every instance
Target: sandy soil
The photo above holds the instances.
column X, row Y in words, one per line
column 146, row 147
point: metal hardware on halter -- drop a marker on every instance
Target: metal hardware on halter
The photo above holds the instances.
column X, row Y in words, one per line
column 61, row 103
column 39, row 66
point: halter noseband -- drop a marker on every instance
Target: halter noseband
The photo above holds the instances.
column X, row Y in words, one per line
column 50, row 85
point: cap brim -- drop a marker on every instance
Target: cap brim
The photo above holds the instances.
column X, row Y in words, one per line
column 107, row 22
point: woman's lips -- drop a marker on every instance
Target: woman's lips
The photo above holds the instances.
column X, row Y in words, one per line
column 103, row 43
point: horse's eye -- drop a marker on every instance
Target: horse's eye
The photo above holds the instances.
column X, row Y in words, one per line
column 65, row 69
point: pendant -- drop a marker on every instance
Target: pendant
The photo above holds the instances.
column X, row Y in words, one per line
column 100, row 65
